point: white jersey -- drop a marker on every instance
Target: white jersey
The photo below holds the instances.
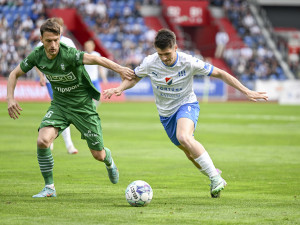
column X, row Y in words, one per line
column 64, row 40
column 93, row 70
column 173, row 85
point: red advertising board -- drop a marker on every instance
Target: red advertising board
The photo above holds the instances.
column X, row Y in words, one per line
column 26, row 91
column 31, row 91
column 187, row 13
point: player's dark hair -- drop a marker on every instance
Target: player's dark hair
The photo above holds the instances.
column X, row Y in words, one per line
column 165, row 38
column 50, row 26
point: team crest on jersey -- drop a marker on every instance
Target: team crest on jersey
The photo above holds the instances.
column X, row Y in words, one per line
column 169, row 80
column 62, row 66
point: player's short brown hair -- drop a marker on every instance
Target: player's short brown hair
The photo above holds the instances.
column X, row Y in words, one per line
column 58, row 20
column 165, row 38
column 50, row 26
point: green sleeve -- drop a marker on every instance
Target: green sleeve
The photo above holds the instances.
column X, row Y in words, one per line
column 76, row 56
column 28, row 63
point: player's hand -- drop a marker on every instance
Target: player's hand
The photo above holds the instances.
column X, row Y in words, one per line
column 42, row 81
column 110, row 92
column 127, row 73
column 254, row 96
column 13, row 109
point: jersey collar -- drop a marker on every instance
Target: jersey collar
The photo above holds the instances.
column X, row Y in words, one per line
column 173, row 63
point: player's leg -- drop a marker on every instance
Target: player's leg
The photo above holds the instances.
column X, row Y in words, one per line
column 66, row 134
column 105, row 156
column 184, row 134
column 186, row 124
column 180, row 129
column 189, row 156
column 45, row 160
column 91, row 130
column 50, row 92
column 53, row 123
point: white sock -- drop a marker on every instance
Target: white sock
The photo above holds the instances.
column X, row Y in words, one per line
column 207, row 165
column 67, row 137
column 112, row 164
column 50, row 186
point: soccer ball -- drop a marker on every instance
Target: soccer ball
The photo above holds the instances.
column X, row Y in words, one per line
column 139, row 193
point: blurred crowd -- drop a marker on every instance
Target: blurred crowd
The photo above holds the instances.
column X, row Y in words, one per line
column 118, row 24
column 19, row 31
column 122, row 30
column 255, row 60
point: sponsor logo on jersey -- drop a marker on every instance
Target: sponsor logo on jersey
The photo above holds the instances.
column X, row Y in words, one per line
column 90, row 134
column 169, row 80
column 168, row 89
column 42, row 67
column 61, row 78
column 66, row 89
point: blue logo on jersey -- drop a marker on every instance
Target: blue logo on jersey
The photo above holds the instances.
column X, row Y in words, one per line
column 181, row 73
column 169, row 80
column 207, row 66
column 154, row 73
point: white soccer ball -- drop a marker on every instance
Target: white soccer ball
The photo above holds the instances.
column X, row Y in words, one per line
column 139, row 193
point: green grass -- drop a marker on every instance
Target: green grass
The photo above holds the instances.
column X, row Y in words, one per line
column 257, row 145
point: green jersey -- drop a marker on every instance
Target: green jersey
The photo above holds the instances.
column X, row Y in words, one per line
column 70, row 82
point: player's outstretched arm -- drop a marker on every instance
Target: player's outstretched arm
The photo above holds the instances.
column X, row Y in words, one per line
column 232, row 81
column 125, row 72
column 13, row 106
column 126, row 84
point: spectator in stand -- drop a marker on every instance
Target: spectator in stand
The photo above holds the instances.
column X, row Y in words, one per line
column 222, row 39
column 27, row 24
column 256, row 61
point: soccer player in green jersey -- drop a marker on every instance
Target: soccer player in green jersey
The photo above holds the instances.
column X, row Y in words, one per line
column 72, row 103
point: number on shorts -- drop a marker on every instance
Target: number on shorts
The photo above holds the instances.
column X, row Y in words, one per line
column 49, row 114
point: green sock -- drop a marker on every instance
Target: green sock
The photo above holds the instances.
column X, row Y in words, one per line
column 46, row 163
column 108, row 158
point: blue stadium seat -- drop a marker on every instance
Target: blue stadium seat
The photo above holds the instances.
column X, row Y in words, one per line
column 140, row 20
column 130, row 20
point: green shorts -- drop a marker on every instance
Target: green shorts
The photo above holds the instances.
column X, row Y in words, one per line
column 85, row 118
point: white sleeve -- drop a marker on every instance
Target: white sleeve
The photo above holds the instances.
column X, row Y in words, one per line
column 142, row 70
column 39, row 44
column 200, row 67
column 68, row 42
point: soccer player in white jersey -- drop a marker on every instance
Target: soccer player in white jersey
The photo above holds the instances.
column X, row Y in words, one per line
column 171, row 75
column 44, row 81
column 94, row 70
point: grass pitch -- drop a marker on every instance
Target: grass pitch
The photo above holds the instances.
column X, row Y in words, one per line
column 257, row 145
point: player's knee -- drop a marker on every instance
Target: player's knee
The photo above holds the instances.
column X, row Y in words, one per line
column 43, row 142
column 99, row 155
column 184, row 139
